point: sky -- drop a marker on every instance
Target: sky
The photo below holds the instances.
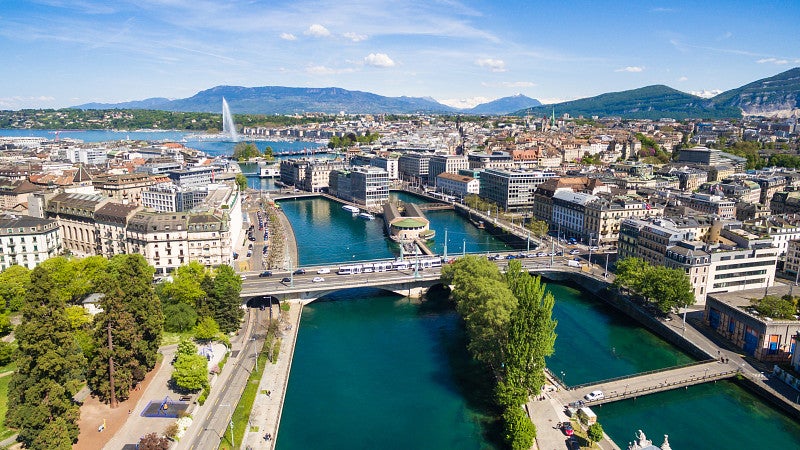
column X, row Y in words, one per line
column 60, row 53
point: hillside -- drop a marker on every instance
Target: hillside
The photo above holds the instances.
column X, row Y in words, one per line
column 776, row 95
column 505, row 105
column 650, row 102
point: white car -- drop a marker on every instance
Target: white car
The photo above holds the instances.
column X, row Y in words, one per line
column 323, row 270
column 574, row 251
column 318, row 280
column 594, row 248
column 594, row 395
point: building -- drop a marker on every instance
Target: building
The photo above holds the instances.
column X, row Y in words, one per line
column 512, row 189
column 699, row 155
column 690, row 257
column 125, row 188
column 710, row 204
column 458, row 185
column 440, row 164
column 388, row 163
column 767, row 339
column 413, row 167
column 111, row 221
column 364, row 185
column 74, row 214
column 27, row 241
column 495, row 160
column 193, row 177
column 543, row 196
column 604, row 215
column 14, row 194
column 569, row 214
column 167, row 197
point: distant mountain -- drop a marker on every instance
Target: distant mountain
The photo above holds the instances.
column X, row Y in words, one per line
column 148, row 103
column 777, row 95
column 650, row 102
column 289, row 100
column 505, row 105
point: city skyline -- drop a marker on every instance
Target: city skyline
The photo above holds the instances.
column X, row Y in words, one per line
column 64, row 53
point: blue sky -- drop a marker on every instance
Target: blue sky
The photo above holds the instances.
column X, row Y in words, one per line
column 58, row 53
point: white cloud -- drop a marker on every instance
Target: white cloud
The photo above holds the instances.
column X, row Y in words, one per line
column 379, row 60
column 509, row 84
column 355, row 37
column 495, row 65
column 288, row 37
column 706, row 93
column 683, row 79
column 317, row 30
column 777, row 61
column 464, row 103
column 632, row 69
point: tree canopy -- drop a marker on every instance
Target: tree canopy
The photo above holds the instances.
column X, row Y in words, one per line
column 665, row 288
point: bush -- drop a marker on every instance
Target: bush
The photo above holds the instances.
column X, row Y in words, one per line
column 276, row 348
column 6, row 353
column 202, row 397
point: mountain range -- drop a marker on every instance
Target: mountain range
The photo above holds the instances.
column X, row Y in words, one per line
column 332, row 100
column 778, row 95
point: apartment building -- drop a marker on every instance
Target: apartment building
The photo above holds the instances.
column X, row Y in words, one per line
column 111, row 221
column 440, row 164
column 512, row 189
column 27, row 241
column 125, row 188
column 604, row 215
column 74, row 214
column 458, row 185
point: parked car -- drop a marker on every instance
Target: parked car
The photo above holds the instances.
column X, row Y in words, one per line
column 318, row 280
column 300, row 272
column 594, row 395
column 323, row 270
column 566, row 427
column 265, row 273
column 594, row 248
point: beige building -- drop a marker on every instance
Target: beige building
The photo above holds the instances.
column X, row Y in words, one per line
column 111, row 221
column 604, row 215
column 75, row 216
column 126, row 188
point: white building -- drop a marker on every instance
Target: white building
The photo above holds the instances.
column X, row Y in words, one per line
column 439, row 164
column 27, row 241
column 387, row 163
column 458, row 185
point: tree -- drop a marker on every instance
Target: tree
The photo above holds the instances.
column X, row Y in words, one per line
column 539, row 228
column 241, row 182
column 186, row 285
column 190, row 372
column 14, row 283
column 206, row 329
column 519, row 430
column 153, row 441
column 595, row 433
column 186, row 347
column 224, row 299
column 776, row 307
column 128, row 331
column 49, row 369
column 630, row 273
column 6, row 353
column 179, row 317
column 243, row 151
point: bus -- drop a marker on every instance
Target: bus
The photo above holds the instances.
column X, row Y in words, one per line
column 350, row 270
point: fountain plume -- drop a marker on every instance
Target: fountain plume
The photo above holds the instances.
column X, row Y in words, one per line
column 228, row 127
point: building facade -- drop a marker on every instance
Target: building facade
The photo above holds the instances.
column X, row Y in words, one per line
column 27, row 241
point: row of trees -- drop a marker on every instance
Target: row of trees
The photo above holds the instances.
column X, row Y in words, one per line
column 776, row 307
column 350, row 139
column 53, row 360
column 664, row 288
column 508, row 319
column 196, row 292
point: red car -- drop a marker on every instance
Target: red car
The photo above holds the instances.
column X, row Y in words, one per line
column 566, row 427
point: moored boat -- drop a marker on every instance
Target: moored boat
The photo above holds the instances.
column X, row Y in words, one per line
column 351, row 209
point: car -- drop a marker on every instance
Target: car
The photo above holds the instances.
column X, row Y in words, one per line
column 559, row 253
column 574, row 251
column 323, row 270
column 300, row 272
column 566, row 427
column 243, row 276
column 266, row 273
column 286, row 280
column 541, row 254
column 593, row 248
column 318, row 280
column 594, row 395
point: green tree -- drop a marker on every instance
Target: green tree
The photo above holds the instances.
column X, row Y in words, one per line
column 132, row 315
column 179, row 317
column 519, row 431
column 191, row 372
column 776, row 307
column 241, row 182
column 539, row 228
column 224, row 299
column 186, row 285
column 243, row 151
column 6, row 352
column 56, row 435
column 595, row 433
column 49, row 368
column 531, row 331
column 5, row 324
column 206, row 329
column 630, row 274
column 14, row 283
column 186, row 347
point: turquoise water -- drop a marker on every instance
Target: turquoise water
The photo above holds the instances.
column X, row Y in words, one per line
column 596, row 342
column 712, row 416
column 326, row 233
column 376, row 371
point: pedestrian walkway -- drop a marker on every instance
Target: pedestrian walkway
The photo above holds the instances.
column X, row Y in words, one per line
column 267, row 408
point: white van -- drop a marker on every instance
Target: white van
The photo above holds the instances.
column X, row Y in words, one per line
column 324, row 270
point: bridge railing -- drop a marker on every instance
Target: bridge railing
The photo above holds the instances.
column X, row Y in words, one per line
column 666, row 385
column 640, row 374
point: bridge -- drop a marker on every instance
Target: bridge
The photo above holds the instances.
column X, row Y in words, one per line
column 649, row 382
column 404, row 282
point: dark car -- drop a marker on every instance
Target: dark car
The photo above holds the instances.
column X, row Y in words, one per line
column 300, row 271
column 265, row 273
column 566, row 427
column 286, row 280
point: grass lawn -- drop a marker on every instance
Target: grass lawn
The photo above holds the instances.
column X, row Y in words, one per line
column 169, row 338
column 4, row 432
column 241, row 415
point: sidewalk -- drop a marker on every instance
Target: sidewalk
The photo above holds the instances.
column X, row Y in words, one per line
column 268, row 405
column 546, row 415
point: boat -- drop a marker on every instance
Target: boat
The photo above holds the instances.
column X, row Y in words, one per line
column 268, row 171
column 366, row 215
column 351, row 209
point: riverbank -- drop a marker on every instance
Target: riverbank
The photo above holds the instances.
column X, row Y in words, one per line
column 265, row 417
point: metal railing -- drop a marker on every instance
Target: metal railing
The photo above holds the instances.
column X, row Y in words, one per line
column 640, row 374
